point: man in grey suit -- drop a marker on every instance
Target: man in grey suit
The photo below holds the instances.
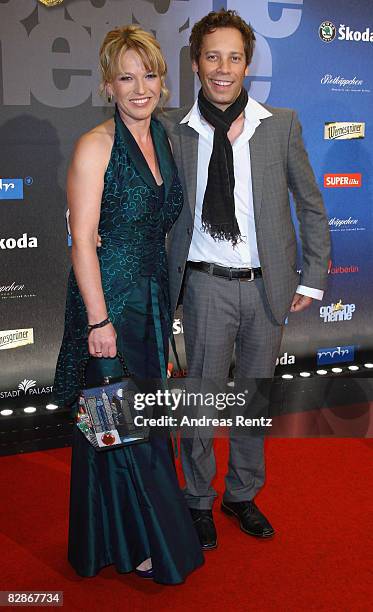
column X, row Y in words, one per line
column 233, row 249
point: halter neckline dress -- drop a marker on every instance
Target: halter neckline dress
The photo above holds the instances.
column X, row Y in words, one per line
column 126, row 504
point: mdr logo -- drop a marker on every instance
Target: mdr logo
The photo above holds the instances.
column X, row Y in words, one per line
column 335, row 354
column 11, row 189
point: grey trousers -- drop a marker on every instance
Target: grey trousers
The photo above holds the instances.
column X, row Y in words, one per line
column 220, row 315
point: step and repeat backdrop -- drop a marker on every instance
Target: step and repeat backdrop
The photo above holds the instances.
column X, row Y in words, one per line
column 313, row 55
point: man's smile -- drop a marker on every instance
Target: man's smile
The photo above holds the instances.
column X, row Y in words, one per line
column 220, row 83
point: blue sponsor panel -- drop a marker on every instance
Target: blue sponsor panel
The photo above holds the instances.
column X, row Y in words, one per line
column 11, row 189
column 335, row 354
column 329, row 82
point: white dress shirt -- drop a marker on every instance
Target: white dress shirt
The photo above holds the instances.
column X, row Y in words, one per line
column 203, row 247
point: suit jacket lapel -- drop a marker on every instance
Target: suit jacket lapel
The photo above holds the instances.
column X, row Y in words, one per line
column 189, row 153
column 257, row 144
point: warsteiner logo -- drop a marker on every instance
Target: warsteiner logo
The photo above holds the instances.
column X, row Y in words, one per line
column 13, row 338
column 327, row 31
column 344, row 130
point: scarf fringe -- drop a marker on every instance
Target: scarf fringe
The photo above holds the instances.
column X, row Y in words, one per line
column 219, row 234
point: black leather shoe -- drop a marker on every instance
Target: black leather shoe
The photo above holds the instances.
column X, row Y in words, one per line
column 251, row 520
column 204, row 524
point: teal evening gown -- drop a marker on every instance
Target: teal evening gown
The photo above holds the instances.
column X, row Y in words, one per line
column 126, row 504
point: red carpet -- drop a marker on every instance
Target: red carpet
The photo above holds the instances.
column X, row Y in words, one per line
column 318, row 496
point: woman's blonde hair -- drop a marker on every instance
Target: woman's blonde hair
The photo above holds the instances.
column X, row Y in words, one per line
column 118, row 41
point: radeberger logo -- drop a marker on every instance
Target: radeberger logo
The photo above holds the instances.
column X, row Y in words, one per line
column 342, row 180
column 344, row 130
column 24, row 242
column 327, row 31
column 12, row 338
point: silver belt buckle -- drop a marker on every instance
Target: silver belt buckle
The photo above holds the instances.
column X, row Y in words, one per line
column 248, row 280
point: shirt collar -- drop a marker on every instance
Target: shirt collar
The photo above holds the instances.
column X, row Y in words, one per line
column 254, row 112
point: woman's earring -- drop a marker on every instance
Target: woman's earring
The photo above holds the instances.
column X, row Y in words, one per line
column 109, row 98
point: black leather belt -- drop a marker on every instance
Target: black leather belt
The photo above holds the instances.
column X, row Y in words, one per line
column 244, row 274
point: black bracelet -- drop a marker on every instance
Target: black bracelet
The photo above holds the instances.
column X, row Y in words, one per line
column 97, row 325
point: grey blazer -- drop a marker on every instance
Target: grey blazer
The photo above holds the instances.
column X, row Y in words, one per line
column 279, row 162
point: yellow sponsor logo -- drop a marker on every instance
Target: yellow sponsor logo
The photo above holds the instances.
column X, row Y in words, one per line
column 344, row 130
column 12, row 338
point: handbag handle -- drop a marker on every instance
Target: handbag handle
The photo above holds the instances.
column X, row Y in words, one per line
column 107, row 379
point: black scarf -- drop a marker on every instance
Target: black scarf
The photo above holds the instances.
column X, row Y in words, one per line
column 218, row 213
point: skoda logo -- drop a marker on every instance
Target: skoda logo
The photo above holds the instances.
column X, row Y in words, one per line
column 327, row 31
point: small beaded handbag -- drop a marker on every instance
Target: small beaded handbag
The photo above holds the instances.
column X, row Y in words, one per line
column 106, row 413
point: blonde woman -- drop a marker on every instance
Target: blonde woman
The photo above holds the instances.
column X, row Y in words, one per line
column 126, row 507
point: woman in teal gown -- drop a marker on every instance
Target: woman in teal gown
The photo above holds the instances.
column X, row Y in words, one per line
column 126, row 507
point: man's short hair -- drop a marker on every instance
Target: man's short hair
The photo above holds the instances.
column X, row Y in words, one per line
column 221, row 19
